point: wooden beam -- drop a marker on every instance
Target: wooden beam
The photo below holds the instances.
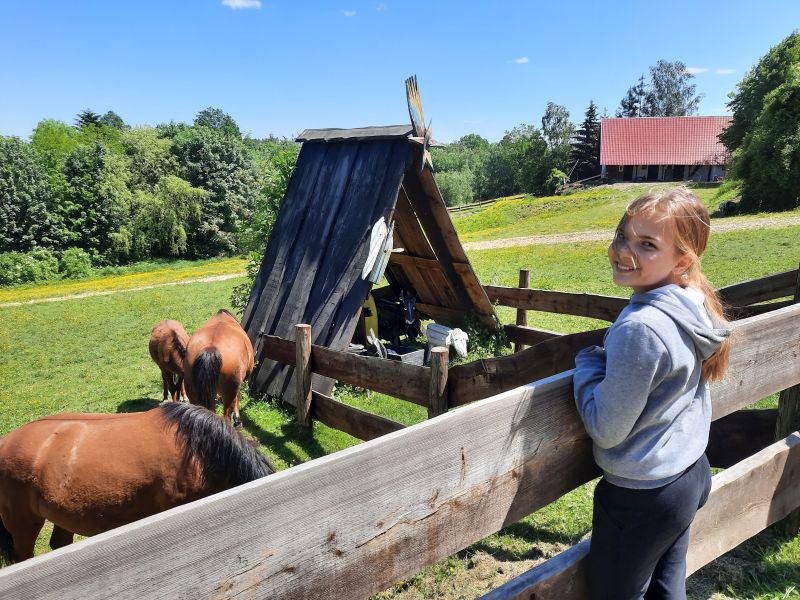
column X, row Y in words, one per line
column 762, row 289
column 302, row 374
column 382, row 510
column 522, row 314
column 595, row 306
column 437, row 394
column 744, row 500
column 398, row 379
column 353, row 421
column 742, row 312
column 491, row 376
column 529, row 336
column 359, row 133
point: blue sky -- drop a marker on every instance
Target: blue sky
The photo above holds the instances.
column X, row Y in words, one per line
column 280, row 66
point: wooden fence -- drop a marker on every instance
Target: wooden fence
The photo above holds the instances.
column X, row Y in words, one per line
column 353, row 523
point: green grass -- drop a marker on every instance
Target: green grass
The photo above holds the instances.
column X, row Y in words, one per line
column 91, row 355
column 594, row 209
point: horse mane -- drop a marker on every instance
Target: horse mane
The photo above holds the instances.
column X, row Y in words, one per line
column 227, row 312
column 226, row 459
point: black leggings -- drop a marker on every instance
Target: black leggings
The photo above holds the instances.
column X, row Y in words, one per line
column 640, row 537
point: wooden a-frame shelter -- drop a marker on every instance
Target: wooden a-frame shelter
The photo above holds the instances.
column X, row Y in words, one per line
column 344, row 182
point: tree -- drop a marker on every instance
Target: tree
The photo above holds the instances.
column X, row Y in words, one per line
column 632, row 104
column 150, row 155
column 86, row 117
column 96, row 203
column 215, row 118
column 24, row 198
column 113, row 120
column 586, row 147
column 767, row 158
column 771, row 71
column 455, row 186
column 557, row 129
column 670, row 94
column 222, row 165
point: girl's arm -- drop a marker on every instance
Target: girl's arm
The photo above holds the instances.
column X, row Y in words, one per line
column 611, row 388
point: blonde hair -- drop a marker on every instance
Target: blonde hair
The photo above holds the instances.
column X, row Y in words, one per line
column 691, row 225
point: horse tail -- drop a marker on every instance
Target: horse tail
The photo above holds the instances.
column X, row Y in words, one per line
column 225, row 457
column 205, row 372
column 7, row 551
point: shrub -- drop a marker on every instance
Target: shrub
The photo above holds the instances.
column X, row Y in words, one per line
column 35, row 266
column 555, row 179
column 75, row 264
column 456, row 187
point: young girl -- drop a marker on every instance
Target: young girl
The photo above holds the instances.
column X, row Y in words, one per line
column 645, row 402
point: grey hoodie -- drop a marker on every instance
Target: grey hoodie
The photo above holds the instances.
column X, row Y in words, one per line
column 641, row 397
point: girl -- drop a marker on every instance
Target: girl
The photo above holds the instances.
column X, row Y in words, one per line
column 645, row 402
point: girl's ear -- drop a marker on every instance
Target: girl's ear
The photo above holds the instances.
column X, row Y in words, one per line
column 683, row 264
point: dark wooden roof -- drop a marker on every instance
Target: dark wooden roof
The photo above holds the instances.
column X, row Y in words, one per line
column 311, row 271
column 361, row 133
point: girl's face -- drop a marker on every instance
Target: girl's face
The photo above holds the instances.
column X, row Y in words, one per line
column 643, row 255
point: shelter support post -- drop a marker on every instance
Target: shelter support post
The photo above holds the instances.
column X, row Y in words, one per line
column 303, row 373
column 437, row 396
column 522, row 314
column 789, row 420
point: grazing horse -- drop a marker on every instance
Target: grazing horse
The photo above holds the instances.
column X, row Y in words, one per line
column 168, row 349
column 88, row 472
column 219, row 357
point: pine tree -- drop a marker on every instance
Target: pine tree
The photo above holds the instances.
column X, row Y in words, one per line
column 631, row 104
column 87, row 117
column 586, row 147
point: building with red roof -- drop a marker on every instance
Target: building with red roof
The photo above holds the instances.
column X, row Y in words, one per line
column 663, row 148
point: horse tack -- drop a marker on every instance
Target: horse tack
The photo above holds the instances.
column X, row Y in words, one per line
column 88, row 473
column 219, row 356
column 168, row 349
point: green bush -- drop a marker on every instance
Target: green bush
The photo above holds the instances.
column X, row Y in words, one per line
column 33, row 267
column 456, row 187
column 75, row 264
column 555, row 179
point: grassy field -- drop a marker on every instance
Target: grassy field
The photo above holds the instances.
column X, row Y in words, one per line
column 91, row 354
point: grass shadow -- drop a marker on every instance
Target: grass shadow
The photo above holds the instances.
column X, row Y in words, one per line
column 527, row 533
column 290, row 433
column 137, row 405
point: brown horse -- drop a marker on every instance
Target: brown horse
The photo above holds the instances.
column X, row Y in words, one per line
column 168, row 349
column 219, row 357
column 88, row 473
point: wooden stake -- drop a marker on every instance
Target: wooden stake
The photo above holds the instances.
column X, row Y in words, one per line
column 789, row 421
column 522, row 314
column 437, row 397
column 303, row 374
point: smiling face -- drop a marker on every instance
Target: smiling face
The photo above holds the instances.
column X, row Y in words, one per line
column 644, row 255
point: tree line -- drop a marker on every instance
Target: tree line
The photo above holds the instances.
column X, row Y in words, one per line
column 103, row 193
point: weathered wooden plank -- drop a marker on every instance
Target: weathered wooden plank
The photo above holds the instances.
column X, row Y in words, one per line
column 407, row 223
column 332, row 134
column 440, row 314
column 491, row 376
column 437, row 392
column 528, row 336
column 742, row 312
column 744, row 500
column 408, row 259
column 595, row 306
column 353, row 421
column 762, row 289
column 382, row 510
column 522, row 314
column 302, row 346
column 395, row 378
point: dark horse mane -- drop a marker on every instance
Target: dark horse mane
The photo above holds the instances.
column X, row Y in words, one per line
column 225, row 457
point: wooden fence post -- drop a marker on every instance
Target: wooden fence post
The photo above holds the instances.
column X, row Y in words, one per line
column 302, row 374
column 522, row 314
column 789, row 421
column 437, row 396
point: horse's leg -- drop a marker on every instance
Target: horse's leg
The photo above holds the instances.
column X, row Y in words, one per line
column 166, row 378
column 230, row 400
column 24, row 528
column 237, row 422
column 60, row 537
column 182, row 397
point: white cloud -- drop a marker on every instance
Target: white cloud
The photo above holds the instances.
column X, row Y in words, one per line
column 725, row 71
column 382, row 6
column 696, row 70
column 237, row 4
column 349, row 13
column 522, row 60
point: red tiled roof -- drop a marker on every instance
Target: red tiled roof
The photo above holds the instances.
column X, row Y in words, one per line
column 663, row 141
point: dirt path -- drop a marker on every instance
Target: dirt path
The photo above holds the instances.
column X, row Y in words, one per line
column 605, row 235
column 133, row 289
